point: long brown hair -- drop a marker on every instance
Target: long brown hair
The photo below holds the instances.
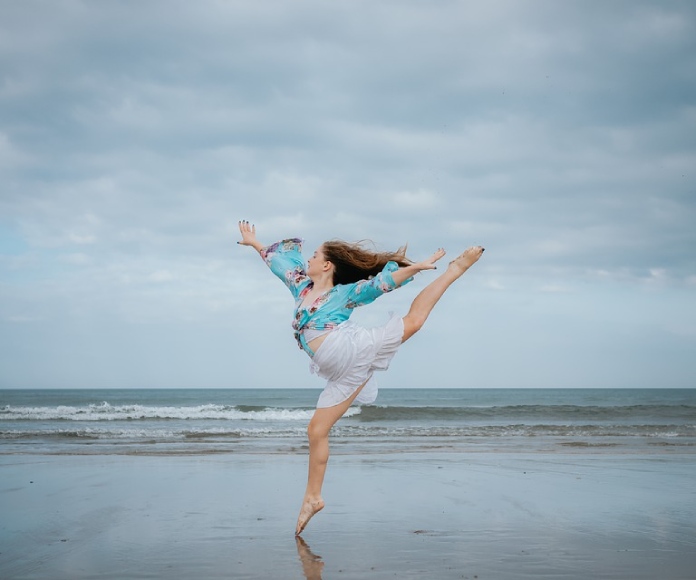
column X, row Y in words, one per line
column 353, row 262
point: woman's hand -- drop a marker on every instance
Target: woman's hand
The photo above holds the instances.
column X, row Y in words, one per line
column 429, row 264
column 403, row 274
column 248, row 232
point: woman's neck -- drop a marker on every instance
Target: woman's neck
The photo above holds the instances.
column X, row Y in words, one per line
column 323, row 282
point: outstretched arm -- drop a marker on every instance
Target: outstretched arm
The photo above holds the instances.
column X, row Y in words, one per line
column 284, row 258
column 406, row 272
column 248, row 232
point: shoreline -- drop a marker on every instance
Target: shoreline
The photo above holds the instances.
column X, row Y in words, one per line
column 347, row 446
column 408, row 515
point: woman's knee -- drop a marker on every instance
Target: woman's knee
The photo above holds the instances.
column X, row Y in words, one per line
column 412, row 324
column 316, row 431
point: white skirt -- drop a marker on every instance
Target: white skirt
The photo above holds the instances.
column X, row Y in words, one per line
column 349, row 356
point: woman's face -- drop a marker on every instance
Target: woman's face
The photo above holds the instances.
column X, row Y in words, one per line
column 315, row 265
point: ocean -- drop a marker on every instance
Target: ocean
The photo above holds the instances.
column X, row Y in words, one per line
column 206, row 421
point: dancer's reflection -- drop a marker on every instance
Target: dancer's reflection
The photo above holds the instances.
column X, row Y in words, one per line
column 312, row 564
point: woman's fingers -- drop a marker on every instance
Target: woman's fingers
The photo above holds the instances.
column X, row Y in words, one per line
column 247, row 230
column 246, row 227
column 436, row 256
column 429, row 264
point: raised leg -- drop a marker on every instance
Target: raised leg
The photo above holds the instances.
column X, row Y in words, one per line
column 318, row 433
column 426, row 300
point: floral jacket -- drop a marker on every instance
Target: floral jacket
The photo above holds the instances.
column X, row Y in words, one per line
column 331, row 308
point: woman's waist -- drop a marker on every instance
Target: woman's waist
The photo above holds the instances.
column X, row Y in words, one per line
column 314, row 337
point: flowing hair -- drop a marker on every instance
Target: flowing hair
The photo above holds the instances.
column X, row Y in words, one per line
column 353, row 262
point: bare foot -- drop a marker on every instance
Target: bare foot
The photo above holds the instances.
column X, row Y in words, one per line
column 465, row 260
column 309, row 508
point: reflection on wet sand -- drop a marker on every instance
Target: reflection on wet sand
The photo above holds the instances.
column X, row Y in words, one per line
column 312, row 564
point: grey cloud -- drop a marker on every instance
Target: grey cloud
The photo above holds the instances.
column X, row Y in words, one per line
column 133, row 135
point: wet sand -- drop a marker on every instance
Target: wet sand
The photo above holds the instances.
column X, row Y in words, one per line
column 410, row 515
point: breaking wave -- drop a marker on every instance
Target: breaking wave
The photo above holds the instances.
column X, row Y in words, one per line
column 108, row 412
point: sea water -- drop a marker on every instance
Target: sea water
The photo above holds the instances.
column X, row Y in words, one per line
column 203, row 421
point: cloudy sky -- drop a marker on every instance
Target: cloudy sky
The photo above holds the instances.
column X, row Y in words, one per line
column 559, row 135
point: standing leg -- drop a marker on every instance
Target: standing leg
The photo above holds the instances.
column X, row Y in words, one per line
column 318, row 432
column 426, row 300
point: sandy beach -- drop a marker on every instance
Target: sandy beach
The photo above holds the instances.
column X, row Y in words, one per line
column 409, row 515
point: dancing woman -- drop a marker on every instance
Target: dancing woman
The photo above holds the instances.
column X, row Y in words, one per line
column 339, row 277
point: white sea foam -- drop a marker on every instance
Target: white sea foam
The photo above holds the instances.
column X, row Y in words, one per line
column 108, row 412
column 151, row 435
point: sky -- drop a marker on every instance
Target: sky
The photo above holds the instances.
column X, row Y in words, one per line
column 559, row 135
